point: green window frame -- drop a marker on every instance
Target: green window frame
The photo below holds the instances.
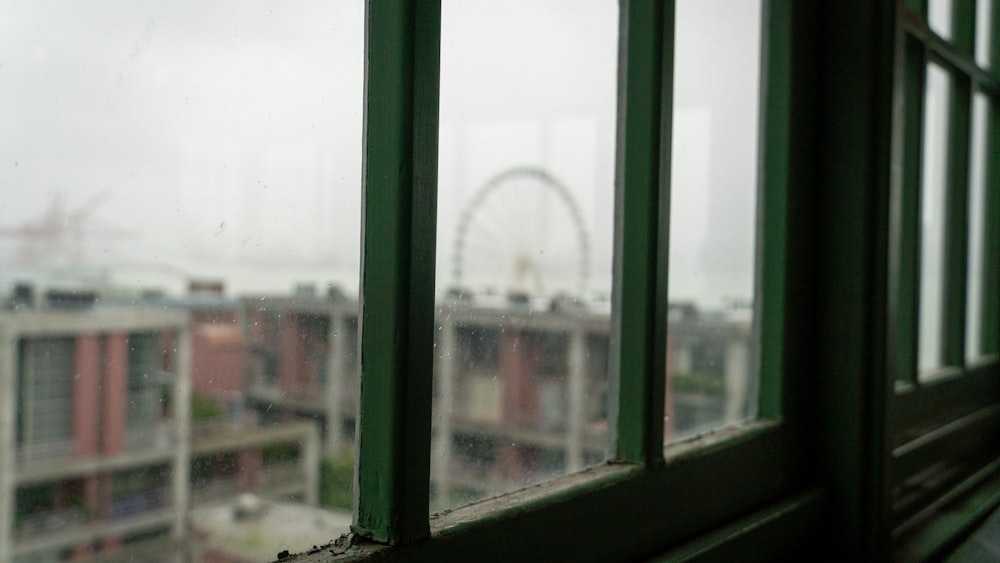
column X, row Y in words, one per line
column 843, row 422
column 852, row 454
column 731, row 472
column 938, row 424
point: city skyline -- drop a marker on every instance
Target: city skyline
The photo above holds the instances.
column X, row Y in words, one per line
column 231, row 146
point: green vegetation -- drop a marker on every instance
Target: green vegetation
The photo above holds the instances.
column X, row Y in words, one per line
column 31, row 500
column 336, row 480
column 280, row 452
column 698, row 383
column 205, row 408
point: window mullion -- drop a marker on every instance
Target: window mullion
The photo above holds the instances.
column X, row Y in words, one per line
column 772, row 214
column 956, row 224
column 964, row 27
column 994, row 48
column 8, row 440
column 905, row 209
column 991, row 233
column 638, row 344
column 399, row 218
column 991, row 224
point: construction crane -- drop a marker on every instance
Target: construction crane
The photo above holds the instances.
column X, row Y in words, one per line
column 57, row 237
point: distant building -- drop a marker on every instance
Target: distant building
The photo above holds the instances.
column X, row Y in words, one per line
column 94, row 439
column 520, row 387
column 302, row 362
column 218, row 347
column 98, row 453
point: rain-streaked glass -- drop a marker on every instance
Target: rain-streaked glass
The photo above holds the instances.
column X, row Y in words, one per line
column 984, row 32
column 526, row 191
column 977, row 232
column 711, row 368
column 939, row 17
column 179, row 256
column 933, row 202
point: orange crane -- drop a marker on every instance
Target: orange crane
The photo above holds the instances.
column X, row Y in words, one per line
column 57, row 237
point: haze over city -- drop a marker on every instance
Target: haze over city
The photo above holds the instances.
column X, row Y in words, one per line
column 223, row 140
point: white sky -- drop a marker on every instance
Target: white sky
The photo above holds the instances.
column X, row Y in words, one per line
column 226, row 135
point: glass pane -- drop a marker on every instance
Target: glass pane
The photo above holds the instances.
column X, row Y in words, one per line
column 711, row 371
column 179, row 255
column 977, row 217
column 933, row 199
column 524, row 242
column 984, row 31
column 939, row 17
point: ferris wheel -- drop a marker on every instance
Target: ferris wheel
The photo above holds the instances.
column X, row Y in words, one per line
column 522, row 233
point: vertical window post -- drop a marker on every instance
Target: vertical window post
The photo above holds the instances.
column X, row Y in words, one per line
column 772, row 214
column 991, row 227
column 8, row 440
column 639, row 318
column 905, row 210
column 182, row 426
column 957, row 222
column 399, row 217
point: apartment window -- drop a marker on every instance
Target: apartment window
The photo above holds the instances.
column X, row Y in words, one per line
column 45, row 402
column 145, row 385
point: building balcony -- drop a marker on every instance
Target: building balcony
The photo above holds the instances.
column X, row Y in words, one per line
column 55, row 530
column 207, row 491
column 49, row 521
column 160, row 436
column 127, row 506
column 272, row 394
column 279, row 477
column 30, row 454
column 272, row 481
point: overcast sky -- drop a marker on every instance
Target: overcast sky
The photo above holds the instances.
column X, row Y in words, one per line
column 224, row 139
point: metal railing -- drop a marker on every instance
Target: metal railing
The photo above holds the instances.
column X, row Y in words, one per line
column 30, row 453
column 41, row 523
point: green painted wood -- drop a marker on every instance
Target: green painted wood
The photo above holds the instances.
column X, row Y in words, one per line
column 905, row 211
column 936, row 533
column 638, row 344
column 945, row 51
column 787, row 222
column 963, row 18
column 957, row 221
column 753, row 538
column 944, row 422
column 839, row 203
column 852, row 386
column 772, row 214
column 994, row 69
column 399, row 216
column 592, row 515
column 949, row 443
column 917, row 408
column 991, row 255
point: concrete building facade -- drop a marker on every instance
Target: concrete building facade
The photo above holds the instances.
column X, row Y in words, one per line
column 98, row 450
column 94, row 429
column 520, row 390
